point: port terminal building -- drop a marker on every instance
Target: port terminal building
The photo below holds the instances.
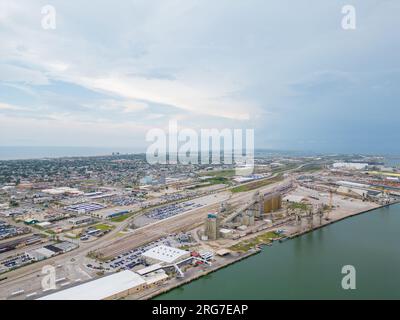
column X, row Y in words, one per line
column 165, row 254
column 112, row 287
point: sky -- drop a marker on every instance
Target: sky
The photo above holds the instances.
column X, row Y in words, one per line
column 113, row 70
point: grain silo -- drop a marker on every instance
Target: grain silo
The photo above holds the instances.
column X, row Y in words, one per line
column 272, row 202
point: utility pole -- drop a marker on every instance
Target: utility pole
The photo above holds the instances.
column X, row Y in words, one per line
column 330, row 204
column 320, row 214
column 310, row 218
column 298, row 220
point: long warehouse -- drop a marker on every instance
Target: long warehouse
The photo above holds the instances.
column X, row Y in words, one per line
column 111, row 287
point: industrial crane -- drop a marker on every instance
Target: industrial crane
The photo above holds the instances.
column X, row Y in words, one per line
column 330, row 204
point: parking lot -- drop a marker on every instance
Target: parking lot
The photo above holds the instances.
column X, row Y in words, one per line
column 85, row 207
column 15, row 262
column 125, row 200
column 132, row 258
column 172, row 210
column 41, row 252
column 8, row 230
column 177, row 196
column 95, row 232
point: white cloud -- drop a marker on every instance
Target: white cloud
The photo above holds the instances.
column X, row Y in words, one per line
column 7, row 106
column 127, row 106
column 65, row 131
column 60, row 55
column 203, row 61
column 173, row 93
column 11, row 73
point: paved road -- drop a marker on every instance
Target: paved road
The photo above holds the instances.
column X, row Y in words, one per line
column 182, row 222
column 111, row 244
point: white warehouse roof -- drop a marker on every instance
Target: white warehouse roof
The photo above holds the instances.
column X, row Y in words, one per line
column 99, row 289
column 350, row 165
column 165, row 254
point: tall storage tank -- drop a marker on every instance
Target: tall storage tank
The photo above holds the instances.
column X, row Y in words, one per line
column 251, row 220
column 275, row 203
column 279, row 201
column 246, row 220
column 268, row 205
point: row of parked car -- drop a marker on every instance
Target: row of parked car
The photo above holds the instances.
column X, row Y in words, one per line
column 17, row 261
column 125, row 201
column 7, row 230
column 132, row 258
column 175, row 196
column 171, row 210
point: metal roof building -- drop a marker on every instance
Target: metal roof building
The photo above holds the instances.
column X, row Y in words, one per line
column 114, row 286
column 165, row 254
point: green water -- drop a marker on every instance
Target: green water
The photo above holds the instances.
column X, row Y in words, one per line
column 309, row 267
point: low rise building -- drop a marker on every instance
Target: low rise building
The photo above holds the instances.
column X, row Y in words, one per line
column 165, row 254
column 350, row 165
column 110, row 213
column 80, row 220
column 154, row 278
column 115, row 286
column 225, row 233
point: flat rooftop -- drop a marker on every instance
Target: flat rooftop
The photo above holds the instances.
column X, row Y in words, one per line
column 99, row 289
column 165, row 254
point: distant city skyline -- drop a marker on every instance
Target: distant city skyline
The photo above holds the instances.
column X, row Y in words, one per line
column 36, row 152
column 109, row 73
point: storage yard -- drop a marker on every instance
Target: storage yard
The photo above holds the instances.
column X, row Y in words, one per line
column 18, row 243
column 9, row 230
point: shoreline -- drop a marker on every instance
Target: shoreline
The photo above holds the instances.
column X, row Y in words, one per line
column 200, row 275
column 338, row 220
column 254, row 252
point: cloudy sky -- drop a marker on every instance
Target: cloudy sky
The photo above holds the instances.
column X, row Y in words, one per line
column 112, row 70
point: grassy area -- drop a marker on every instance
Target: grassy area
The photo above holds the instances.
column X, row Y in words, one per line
column 257, row 184
column 217, row 180
column 222, row 173
column 310, row 168
column 121, row 218
column 120, row 234
column 210, row 182
column 284, row 168
column 184, row 247
column 298, row 205
column 70, row 237
column 246, row 245
column 48, row 231
column 391, row 174
column 103, row 227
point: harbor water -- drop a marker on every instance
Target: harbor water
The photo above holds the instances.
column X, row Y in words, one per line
column 310, row 266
